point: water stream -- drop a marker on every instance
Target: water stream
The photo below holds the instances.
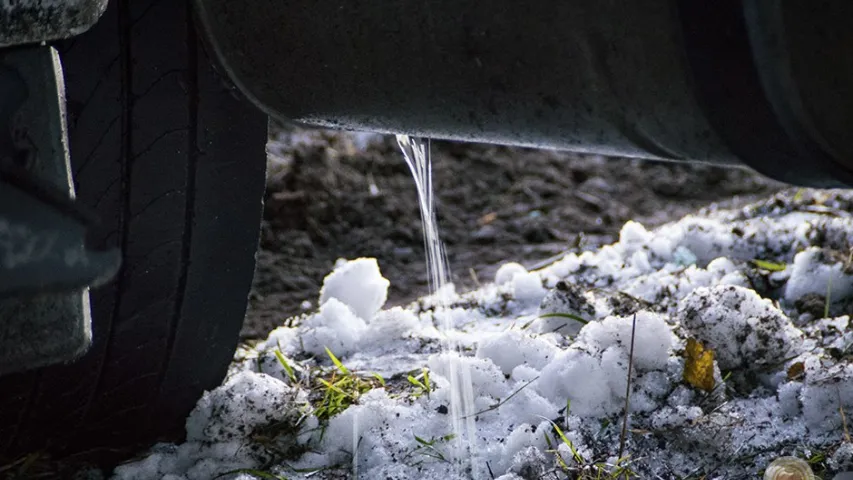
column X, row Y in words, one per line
column 416, row 152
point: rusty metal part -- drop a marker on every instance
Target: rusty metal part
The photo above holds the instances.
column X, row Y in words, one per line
column 598, row 76
column 34, row 21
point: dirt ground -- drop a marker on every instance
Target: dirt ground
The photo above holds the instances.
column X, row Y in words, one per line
column 336, row 194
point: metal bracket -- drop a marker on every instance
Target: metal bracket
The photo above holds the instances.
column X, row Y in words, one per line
column 45, row 267
column 42, row 248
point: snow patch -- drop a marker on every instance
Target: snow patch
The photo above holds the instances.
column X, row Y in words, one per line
column 359, row 285
column 791, row 369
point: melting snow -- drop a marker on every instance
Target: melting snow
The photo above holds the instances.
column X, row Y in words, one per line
column 782, row 367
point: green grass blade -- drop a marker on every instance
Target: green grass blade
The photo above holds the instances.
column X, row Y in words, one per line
column 426, row 443
column 568, row 443
column 571, row 316
column 769, row 266
column 378, row 378
column 287, row 368
column 337, row 362
column 334, row 388
column 414, row 381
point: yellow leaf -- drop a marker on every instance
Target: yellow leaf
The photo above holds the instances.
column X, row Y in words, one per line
column 796, row 370
column 699, row 367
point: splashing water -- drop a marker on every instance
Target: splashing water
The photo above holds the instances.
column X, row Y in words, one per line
column 417, row 155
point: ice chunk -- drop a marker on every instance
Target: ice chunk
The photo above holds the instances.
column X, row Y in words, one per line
column 284, row 338
column 521, row 437
column 593, row 372
column 744, row 330
column 335, row 326
column 529, row 463
column 485, row 377
column 512, row 348
column 528, row 287
column 387, row 326
column 614, row 362
column 374, row 409
column 524, row 373
column 578, row 376
column 652, row 343
column 705, row 238
column 813, row 272
column 634, row 234
column 683, row 256
column 509, row 476
column 141, row 470
column 670, row 418
column 358, row 284
column 507, row 271
column 721, row 266
column 565, row 298
column 788, row 394
column 565, row 266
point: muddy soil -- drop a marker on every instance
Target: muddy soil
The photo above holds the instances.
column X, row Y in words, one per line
column 335, row 194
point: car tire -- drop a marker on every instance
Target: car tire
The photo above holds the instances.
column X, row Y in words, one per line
column 173, row 161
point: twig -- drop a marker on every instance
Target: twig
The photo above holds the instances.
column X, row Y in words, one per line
column 497, row 405
column 624, row 432
column 843, row 416
column 474, row 277
column 558, row 328
column 828, row 296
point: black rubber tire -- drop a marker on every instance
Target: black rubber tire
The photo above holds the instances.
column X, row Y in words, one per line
column 173, row 161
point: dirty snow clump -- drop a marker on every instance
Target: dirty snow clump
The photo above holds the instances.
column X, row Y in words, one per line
column 247, row 401
column 745, row 330
column 220, row 428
